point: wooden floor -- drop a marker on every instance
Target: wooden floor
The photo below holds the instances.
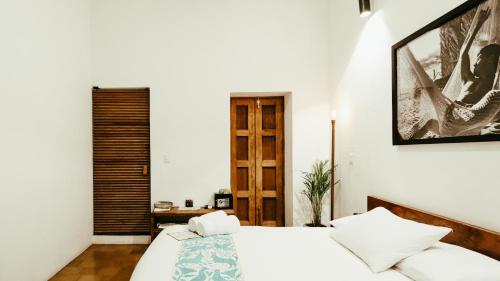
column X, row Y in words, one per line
column 102, row 263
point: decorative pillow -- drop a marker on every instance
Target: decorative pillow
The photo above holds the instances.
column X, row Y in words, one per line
column 382, row 239
column 445, row 262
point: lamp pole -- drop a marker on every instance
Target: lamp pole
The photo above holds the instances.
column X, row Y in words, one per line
column 332, row 181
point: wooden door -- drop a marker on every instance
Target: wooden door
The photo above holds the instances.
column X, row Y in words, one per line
column 121, row 150
column 257, row 145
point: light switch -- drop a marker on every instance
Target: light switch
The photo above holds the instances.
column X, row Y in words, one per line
column 351, row 158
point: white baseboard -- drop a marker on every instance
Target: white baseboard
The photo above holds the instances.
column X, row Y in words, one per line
column 116, row 239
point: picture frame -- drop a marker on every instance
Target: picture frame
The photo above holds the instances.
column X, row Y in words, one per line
column 432, row 100
column 223, row 201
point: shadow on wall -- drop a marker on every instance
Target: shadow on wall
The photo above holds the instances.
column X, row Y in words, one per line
column 344, row 39
column 303, row 212
column 451, row 147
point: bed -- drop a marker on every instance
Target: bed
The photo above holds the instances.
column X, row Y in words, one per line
column 299, row 253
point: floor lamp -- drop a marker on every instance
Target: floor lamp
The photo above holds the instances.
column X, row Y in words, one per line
column 332, row 181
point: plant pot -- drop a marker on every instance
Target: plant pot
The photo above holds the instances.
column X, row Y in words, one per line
column 314, row 225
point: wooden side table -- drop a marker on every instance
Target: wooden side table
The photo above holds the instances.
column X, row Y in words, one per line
column 177, row 216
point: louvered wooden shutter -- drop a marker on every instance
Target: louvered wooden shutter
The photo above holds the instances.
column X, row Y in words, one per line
column 121, row 149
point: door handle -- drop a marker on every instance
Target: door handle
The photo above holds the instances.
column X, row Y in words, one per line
column 145, row 170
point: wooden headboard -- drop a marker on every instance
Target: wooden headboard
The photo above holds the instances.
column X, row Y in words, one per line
column 465, row 235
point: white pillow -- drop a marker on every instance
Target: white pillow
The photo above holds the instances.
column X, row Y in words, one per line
column 342, row 221
column 381, row 239
column 445, row 262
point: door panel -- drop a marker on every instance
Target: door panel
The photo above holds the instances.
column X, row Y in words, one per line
column 257, row 160
column 243, row 159
column 121, row 160
column 269, row 162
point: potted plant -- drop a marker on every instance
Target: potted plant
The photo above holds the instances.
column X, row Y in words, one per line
column 317, row 184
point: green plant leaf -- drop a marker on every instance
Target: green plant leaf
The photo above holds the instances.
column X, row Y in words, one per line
column 317, row 185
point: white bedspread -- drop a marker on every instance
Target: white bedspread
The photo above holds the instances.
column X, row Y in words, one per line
column 290, row 254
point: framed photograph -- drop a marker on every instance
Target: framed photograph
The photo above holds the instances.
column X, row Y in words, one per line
column 446, row 78
column 223, row 201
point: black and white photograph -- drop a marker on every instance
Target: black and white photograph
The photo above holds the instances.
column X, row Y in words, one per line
column 223, row 203
column 445, row 78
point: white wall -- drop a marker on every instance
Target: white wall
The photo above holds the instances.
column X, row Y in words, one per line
column 193, row 54
column 45, row 143
column 456, row 180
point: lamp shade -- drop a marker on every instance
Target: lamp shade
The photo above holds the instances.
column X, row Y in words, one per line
column 333, row 115
column 364, row 8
